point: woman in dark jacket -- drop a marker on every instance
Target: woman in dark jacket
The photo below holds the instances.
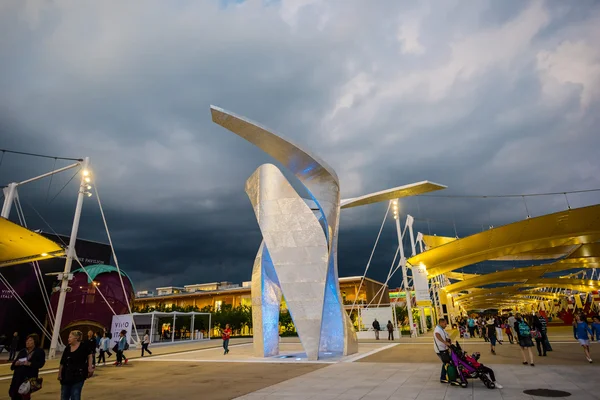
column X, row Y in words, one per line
column 539, row 339
column 26, row 365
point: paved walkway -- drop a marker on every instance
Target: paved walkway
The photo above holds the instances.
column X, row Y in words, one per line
column 133, row 354
column 353, row 381
column 405, row 369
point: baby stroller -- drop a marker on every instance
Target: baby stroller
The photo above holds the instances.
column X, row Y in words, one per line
column 468, row 367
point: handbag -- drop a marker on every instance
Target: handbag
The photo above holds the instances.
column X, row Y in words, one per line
column 536, row 334
column 31, row 385
column 445, row 356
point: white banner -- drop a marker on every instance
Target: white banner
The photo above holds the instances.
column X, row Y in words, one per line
column 120, row 322
column 382, row 314
column 421, row 284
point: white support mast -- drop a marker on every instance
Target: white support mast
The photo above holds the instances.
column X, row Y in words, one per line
column 404, row 269
column 64, row 287
column 9, row 197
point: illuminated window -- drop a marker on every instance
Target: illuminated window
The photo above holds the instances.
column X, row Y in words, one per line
column 218, row 304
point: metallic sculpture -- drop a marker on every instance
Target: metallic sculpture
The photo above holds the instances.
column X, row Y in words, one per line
column 298, row 256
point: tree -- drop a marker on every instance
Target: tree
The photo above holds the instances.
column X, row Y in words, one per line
column 286, row 322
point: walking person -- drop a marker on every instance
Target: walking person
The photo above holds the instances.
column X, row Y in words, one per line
column 226, row 335
column 498, row 325
column 390, row 329
column 596, row 328
column 90, row 342
column 441, row 343
column 376, row 328
column 540, row 334
column 14, row 345
column 121, row 346
column 109, row 336
column 75, row 367
column 26, row 365
column 581, row 330
column 103, row 346
column 146, row 342
column 491, row 334
column 483, row 329
column 508, row 331
column 511, row 326
column 524, row 337
column 471, row 325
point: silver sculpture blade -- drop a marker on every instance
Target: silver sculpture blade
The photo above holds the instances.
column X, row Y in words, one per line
column 266, row 302
column 298, row 256
column 298, row 251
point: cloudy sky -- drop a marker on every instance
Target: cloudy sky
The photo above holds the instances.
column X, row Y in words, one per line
column 487, row 97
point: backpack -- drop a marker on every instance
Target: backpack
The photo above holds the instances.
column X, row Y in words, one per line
column 524, row 330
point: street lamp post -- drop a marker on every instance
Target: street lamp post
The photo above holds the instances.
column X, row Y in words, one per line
column 64, row 286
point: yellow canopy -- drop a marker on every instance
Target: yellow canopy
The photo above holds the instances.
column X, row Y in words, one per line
column 20, row 245
column 565, row 228
column 515, row 293
column 585, row 256
column 432, row 241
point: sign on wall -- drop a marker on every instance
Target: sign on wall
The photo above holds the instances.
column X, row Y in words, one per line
column 120, row 322
column 421, row 284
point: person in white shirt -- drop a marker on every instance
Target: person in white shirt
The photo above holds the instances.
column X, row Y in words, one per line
column 104, row 344
column 511, row 324
column 146, row 342
column 441, row 343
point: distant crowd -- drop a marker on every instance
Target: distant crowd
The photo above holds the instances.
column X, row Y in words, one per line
column 524, row 329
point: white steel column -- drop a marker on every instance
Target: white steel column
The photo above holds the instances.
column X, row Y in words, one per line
column 64, row 287
column 152, row 327
column 173, row 329
column 192, row 328
column 404, row 274
column 9, row 197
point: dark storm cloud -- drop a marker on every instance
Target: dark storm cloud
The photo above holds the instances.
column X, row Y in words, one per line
column 489, row 98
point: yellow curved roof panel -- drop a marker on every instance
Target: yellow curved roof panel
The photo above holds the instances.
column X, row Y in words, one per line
column 586, row 256
column 518, row 274
column 504, row 291
column 20, row 245
column 549, row 253
column 432, row 241
column 459, row 276
column 564, row 228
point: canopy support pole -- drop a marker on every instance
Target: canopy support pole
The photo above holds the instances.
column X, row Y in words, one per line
column 405, row 278
column 151, row 326
column 173, row 330
column 192, row 328
column 64, row 287
column 9, row 198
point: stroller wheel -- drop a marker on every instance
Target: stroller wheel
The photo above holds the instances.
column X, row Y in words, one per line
column 464, row 384
column 490, row 385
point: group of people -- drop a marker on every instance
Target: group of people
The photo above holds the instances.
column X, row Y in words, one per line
column 524, row 330
column 77, row 362
column 377, row 327
column 11, row 344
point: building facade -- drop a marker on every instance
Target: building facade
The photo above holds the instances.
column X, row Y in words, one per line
column 216, row 294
